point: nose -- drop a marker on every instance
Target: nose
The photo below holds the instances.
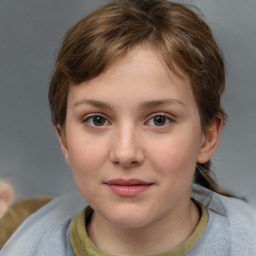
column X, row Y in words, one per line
column 127, row 149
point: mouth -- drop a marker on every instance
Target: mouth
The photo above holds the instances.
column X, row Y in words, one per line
column 128, row 188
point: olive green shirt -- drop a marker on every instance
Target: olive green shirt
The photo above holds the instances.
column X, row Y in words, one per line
column 82, row 244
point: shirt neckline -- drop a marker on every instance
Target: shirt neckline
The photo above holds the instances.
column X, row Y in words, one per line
column 82, row 245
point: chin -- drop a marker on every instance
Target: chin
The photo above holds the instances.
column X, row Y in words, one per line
column 129, row 222
column 128, row 218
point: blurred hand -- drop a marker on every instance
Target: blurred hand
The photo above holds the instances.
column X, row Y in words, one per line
column 6, row 197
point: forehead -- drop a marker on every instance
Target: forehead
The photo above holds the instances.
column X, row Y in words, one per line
column 141, row 74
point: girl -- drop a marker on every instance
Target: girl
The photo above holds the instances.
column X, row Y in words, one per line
column 135, row 99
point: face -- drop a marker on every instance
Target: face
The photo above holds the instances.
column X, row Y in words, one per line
column 133, row 137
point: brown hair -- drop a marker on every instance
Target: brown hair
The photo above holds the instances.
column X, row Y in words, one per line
column 182, row 37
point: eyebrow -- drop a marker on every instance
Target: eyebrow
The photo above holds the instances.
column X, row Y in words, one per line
column 95, row 103
column 157, row 103
column 144, row 105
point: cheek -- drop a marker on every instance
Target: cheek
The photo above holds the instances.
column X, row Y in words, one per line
column 86, row 158
column 176, row 156
column 86, row 162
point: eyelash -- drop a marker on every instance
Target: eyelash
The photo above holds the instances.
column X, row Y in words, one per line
column 89, row 119
column 167, row 118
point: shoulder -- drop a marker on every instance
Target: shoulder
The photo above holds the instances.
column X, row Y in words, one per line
column 241, row 219
column 17, row 213
column 46, row 231
column 231, row 226
column 240, row 215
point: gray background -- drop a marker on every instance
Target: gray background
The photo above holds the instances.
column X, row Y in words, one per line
column 30, row 35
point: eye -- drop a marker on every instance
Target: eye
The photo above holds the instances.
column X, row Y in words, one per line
column 159, row 120
column 96, row 121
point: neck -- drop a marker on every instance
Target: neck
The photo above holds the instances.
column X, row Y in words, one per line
column 163, row 235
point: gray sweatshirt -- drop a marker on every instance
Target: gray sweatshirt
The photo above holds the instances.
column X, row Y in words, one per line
column 231, row 228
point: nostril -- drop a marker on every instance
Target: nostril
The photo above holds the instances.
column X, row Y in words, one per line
column 126, row 151
column 131, row 164
column 127, row 162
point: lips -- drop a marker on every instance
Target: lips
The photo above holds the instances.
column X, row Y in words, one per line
column 128, row 188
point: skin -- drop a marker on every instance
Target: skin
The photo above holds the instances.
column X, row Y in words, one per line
column 128, row 144
column 6, row 197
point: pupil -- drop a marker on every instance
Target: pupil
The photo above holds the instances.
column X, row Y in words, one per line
column 159, row 120
column 98, row 121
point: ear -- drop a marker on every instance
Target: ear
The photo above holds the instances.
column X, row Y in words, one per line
column 62, row 139
column 210, row 141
